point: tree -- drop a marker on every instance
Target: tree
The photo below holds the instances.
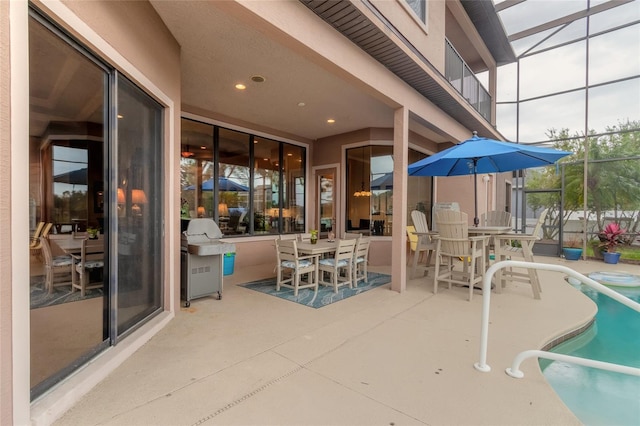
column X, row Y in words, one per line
column 613, row 184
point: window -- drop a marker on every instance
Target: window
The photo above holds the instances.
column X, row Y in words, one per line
column 370, row 189
column 260, row 184
column 419, row 7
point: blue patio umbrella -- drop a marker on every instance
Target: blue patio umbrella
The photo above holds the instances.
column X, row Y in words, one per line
column 224, row 184
column 483, row 155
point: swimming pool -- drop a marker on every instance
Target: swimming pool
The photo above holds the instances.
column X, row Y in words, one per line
column 599, row 397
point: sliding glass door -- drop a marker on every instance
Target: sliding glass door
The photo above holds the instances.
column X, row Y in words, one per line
column 95, row 162
column 139, row 212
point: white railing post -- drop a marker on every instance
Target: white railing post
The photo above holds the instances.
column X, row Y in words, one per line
column 514, row 370
column 486, row 298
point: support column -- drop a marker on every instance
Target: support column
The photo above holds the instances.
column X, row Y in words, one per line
column 400, row 166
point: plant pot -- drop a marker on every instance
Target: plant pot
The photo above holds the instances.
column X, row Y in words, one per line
column 611, row 258
column 571, row 253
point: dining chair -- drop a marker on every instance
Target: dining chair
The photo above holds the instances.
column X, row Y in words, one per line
column 339, row 266
column 425, row 243
column 453, row 243
column 361, row 260
column 91, row 258
column 35, row 238
column 519, row 246
column 351, row 235
column 305, row 237
column 291, row 267
column 495, row 218
column 287, row 237
column 35, row 246
column 55, row 266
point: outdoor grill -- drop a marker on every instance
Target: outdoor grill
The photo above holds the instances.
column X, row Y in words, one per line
column 202, row 253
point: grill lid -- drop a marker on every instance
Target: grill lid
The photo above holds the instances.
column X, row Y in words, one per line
column 199, row 230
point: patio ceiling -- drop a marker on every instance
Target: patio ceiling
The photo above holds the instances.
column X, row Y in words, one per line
column 218, row 51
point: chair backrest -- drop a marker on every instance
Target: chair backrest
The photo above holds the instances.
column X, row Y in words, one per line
column 46, row 252
column 495, row 218
column 362, row 248
column 351, row 235
column 306, row 237
column 286, row 250
column 413, row 238
column 345, row 250
column 91, row 250
column 283, row 237
column 37, row 233
column 242, row 227
column 453, row 231
column 537, row 230
column 419, row 220
column 47, row 229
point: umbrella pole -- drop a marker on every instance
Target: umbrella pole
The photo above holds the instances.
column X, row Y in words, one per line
column 476, row 221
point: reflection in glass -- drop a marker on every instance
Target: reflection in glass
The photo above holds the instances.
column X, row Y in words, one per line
column 228, row 198
column 66, row 128
column 233, row 182
column 370, row 172
column 325, row 184
column 196, row 170
column 139, row 236
column 293, row 177
column 266, row 186
column 419, row 190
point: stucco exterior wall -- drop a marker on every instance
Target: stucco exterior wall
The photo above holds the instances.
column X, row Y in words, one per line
column 6, row 347
column 427, row 38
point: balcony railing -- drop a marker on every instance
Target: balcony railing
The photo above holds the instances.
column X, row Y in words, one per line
column 465, row 82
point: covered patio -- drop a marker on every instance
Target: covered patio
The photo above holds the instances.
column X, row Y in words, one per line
column 378, row 358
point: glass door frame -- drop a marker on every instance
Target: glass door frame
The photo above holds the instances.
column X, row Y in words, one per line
column 318, row 173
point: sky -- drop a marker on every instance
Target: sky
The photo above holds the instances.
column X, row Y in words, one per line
column 611, row 69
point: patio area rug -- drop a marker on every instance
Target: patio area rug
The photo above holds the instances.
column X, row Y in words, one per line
column 323, row 297
column 63, row 294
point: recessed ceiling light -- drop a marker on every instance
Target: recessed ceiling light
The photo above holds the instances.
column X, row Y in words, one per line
column 289, row 154
column 301, row 104
column 240, row 86
column 331, row 121
column 120, row 116
column 258, row 79
column 203, row 147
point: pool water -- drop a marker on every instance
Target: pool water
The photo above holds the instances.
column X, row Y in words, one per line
column 599, row 397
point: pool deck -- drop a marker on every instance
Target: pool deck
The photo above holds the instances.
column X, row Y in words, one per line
column 377, row 358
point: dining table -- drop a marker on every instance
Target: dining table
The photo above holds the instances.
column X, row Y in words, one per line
column 319, row 248
column 71, row 245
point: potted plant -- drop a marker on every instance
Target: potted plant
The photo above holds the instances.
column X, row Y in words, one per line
column 610, row 237
column 572, row 248
column 92, row 232
column 314, row 236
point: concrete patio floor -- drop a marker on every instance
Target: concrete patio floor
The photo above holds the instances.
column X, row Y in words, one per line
column 377, row 358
